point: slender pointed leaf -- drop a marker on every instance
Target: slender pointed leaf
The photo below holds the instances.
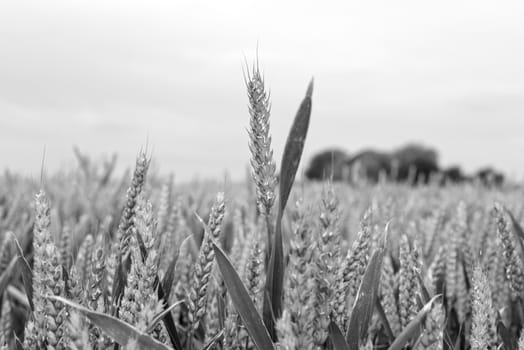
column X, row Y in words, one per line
column 27, row 279
column 124, row 262
column 510, row 343
column 27, row 274
column 7, row 275
column 243, row 303
column 384, row 320
column 161, row 315
column 424, row 291
column 336, row 337
column 518, row 232
column 288, row 169
column 413, row 327
column 118, row 330
column 518, row 229
column 168, row 320
column 210, row 344
column 17, row 295
column 293, row 148
column 267, row 314
column 141, row 245
column 221, row 306
column 365, row 301
column 169, row 276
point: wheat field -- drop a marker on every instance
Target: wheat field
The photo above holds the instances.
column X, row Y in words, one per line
column 92, row 260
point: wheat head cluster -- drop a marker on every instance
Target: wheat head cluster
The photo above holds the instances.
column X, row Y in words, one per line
column 92, row 261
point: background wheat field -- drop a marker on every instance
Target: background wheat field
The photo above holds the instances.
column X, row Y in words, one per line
column 90, row 259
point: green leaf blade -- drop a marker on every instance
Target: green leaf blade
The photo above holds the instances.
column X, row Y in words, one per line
column 365, row 302
column 118, row 330
column 288, row 169
column 413, row 328
column 242, row 302
column 336, row 337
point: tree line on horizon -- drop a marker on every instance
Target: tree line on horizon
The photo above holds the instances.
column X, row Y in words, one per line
column 412, row 163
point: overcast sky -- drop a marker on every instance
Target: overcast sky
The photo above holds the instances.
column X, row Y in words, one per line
column 109, row 76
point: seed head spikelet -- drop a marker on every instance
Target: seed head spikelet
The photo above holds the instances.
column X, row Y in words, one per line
column 65, row 247
column 408, row 286
column 84, row 258
column 6, row 322
column 96, row 279
column 329, row 243
column 495, row 268
column 262, row 163
column 78, row 330
column 74, row 288
column 299, row 298
column 350, row 273
column 183, row 280
column 286, row 333
column 437, row 272
column 204, row 266
column 255, row 273
column 6, row 251
column 513, row 265
column 137, row 183
column 484, row 329
column 452, row 266
column 432, row 336
column 41, row 270
column 387, row 295
column 57, row 336
column 327, row 260
column 164, row 207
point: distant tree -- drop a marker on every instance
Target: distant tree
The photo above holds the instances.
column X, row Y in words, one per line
column 369, row 165
column 489, row 176
column 453, row 174
column 326, row 165
column 414, row 163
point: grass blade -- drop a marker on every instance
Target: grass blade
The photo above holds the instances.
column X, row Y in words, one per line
column 212, row 341
column 413, row 328
column 365, row 301
column 169, row 323
column 27, row 274
column 7, row 275
column 423, row 290
column 336, row 337
column 293, row 149
column 169, row 276
column 118, row 330
column 509, row 341
column 518, row 229
column 124, row 263
column 519, row 233
column 288, row 169
column 243, row 303
column 161, row 316
column 384, row 320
